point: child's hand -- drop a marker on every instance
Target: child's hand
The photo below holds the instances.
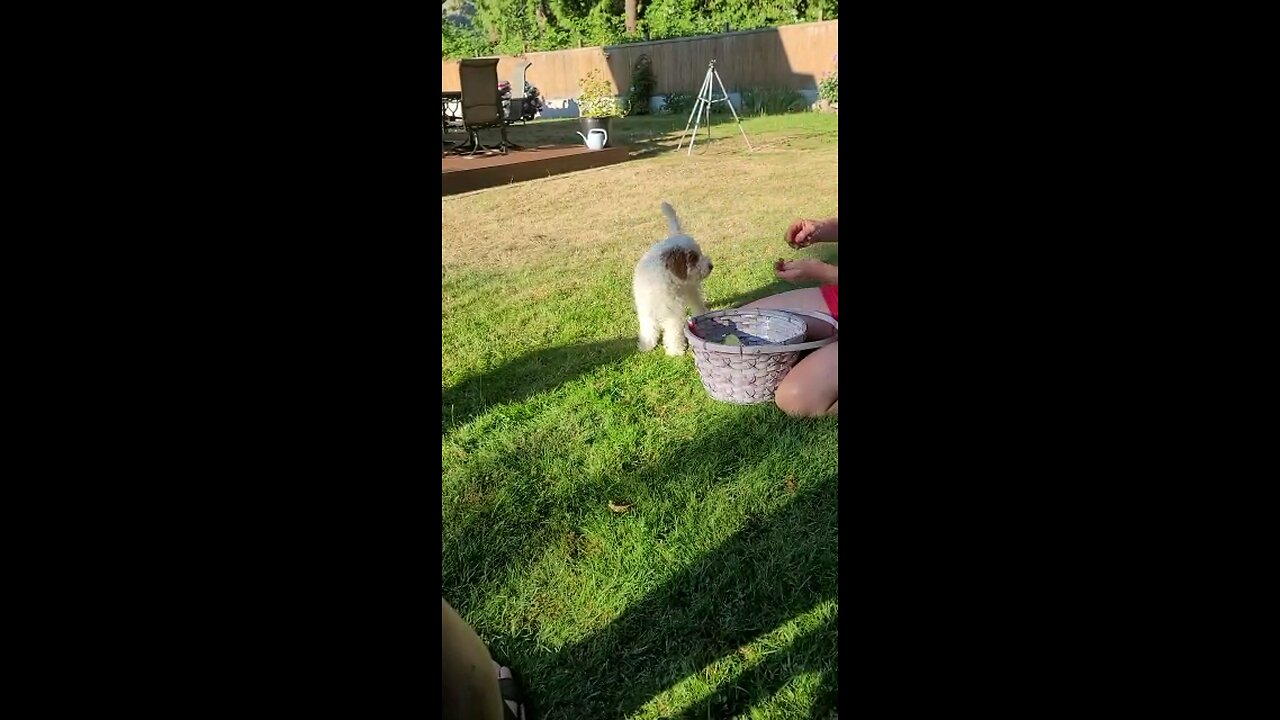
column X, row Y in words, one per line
column 797, row 271
column 802, row 233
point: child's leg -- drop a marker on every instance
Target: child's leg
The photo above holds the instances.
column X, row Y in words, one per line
column 812, row 388
column 468, row 682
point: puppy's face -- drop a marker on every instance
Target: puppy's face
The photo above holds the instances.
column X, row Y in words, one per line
column 688, row 264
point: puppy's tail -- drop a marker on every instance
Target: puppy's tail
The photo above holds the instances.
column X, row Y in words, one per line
column 673, row 222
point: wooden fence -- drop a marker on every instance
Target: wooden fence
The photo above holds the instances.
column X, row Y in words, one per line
column 791, row 56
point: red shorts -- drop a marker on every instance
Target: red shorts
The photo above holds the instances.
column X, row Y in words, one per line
column 829, row 294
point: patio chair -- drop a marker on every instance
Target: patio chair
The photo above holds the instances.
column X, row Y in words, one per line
column 515, row 103
column 481, row 103
column 515, row 109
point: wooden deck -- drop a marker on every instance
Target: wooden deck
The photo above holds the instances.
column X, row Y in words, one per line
column 462, row 173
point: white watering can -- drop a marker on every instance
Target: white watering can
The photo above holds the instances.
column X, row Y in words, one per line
column 596, row 138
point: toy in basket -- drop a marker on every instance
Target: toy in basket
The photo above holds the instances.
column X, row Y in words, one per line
column 762, row 346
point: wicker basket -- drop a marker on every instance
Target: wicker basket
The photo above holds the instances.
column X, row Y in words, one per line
column 772, row 343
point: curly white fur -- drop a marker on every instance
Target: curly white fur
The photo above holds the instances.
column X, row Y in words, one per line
column 667, row 279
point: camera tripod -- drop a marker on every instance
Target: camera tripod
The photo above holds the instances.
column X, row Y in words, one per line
column 703, row 103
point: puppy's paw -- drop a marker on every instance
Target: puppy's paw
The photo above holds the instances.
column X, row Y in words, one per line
column 645, row 345
column 675, row 350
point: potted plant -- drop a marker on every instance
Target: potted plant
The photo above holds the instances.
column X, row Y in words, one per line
column 829, row 86
column 597, row 105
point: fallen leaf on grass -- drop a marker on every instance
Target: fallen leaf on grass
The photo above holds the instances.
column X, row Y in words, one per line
column 791, row 484
column 619, row 508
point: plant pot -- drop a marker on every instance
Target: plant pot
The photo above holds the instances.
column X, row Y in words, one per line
column 605, row 123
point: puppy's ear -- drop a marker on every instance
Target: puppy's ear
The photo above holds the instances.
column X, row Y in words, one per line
column 678, row 263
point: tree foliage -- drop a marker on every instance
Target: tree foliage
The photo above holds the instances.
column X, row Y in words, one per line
column 509, row 27
column 643, row 81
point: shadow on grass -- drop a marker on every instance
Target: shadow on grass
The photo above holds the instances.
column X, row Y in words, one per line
column 771, row 571
column 527, row 375
column 815, row 651
column 516, row 515
column 826, row 252
column 777, row 566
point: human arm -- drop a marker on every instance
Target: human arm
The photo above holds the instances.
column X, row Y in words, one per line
column 807, row 270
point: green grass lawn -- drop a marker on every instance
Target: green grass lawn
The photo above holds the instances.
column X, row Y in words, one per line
column 632, row 548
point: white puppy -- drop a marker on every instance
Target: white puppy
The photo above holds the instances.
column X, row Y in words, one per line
column 668, row 278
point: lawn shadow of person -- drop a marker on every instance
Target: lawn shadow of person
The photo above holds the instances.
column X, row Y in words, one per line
column 501, row 515
column 527, row 375
column 817, row 650
column 772, row 570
